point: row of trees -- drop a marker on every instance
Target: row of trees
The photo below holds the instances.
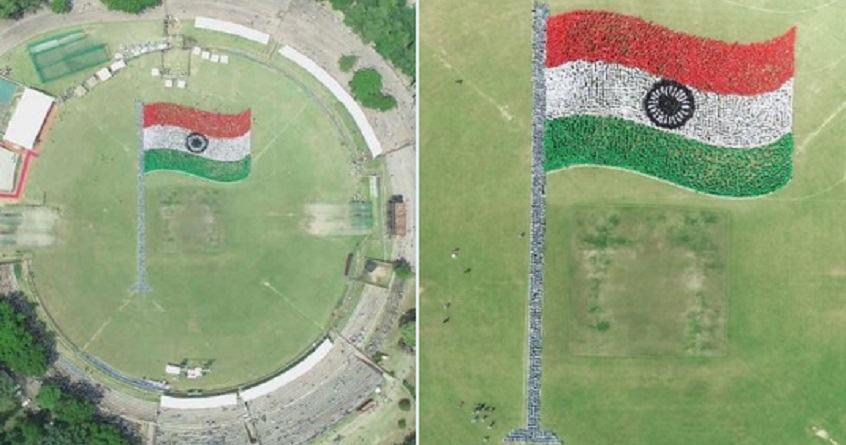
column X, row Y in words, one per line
column 64, row 413
column 67, row 415
column 388, row 24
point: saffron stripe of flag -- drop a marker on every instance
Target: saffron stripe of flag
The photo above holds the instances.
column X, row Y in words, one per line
column 701, row 63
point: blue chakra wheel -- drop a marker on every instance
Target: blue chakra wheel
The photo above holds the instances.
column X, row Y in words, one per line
column 669, row 104
column 196, row 143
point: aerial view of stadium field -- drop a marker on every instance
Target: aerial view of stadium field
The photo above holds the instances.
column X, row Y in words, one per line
column 677, row 215
column 215, row 230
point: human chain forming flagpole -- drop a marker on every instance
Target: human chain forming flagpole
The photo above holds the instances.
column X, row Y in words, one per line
column 141, row 286
column 533, row 433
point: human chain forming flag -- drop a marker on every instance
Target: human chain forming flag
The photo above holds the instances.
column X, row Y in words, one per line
column 209, row 145
column 708, row 115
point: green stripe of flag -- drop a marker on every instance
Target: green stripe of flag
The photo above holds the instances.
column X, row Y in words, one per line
column 166, row 159
column 614, row 142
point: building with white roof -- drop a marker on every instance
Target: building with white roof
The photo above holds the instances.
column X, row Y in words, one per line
column 8, row 168
column 104, row 74
column 28, row 119
column 117, row 66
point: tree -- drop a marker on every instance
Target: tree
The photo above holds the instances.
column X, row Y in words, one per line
column 9, row 390
column 389, row 24
column 74, row 410
column 20, row 350
column 60, row 6
column 65, row 406
column 408, row 334
column 408, row 328
column 26, row 431
column 65, row 434
column 403, row 269
column 366, row 87
column 410, row 439
column 48, row 396
column 104, row 434
column 347, row 62
column 131, row 6
column 15, row 9
column 404, row 404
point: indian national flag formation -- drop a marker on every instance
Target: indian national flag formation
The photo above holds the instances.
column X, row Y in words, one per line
column 209, row 145
column 708, row 115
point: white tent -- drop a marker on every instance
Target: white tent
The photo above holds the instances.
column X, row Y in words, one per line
column 104, row 74
column 28, row 118
column 340, row 93
column 199, row 402
column 232, row 28
column 290, row 375
column 117, row 66
column 172, row 369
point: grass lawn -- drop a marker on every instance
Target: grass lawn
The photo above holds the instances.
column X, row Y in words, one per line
column 236, row 278
column 779, row 374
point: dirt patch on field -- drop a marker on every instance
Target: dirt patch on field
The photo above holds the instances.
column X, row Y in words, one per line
column 648, row 281
column 190, row 222
column 330, row 220
column 24, row 226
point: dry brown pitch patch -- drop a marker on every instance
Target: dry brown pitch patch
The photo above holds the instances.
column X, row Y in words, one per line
column 648, row 281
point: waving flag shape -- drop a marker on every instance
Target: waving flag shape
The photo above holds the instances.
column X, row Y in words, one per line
column 210, row 145
column 712, row 116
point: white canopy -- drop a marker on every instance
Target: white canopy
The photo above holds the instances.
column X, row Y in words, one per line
column 117, row 66
column 290, row 375
column 28, row 118
column 232, row 28
column 340, row 93
column 199, row 402
column 104, row 74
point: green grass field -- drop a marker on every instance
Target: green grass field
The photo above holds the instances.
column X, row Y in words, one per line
column 642, row 281
column 785, row 270
column 236, row 277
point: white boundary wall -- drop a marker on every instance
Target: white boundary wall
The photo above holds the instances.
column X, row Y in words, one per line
column 232, row 28
column 199, row 402
column 290, row 375
column 340, row 93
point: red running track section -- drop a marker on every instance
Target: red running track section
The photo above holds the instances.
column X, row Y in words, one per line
column 19, row 187
column 702, row 63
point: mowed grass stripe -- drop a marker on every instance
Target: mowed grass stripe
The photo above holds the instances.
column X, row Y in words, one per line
column 785, row 261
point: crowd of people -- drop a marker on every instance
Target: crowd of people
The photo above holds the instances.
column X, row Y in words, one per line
column 537, row 236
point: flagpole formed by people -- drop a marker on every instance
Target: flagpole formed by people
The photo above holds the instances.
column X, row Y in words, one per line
column 204, row 144
column 141, row 286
